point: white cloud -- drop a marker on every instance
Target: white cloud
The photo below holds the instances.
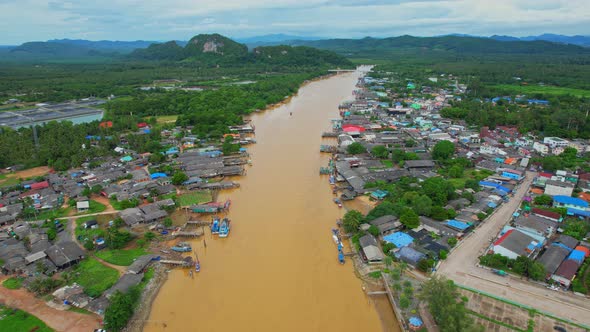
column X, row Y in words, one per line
column 26, row 20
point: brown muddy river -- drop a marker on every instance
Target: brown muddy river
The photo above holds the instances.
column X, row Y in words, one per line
column 278, row 269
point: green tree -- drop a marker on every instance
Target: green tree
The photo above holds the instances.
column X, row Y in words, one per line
column 404, row 302
column 439, row 213
column 398, row 155
column 552, row 163
column 229, row 147
column 120, row 309
column 443, row 254
column 380, row 152
column 352, row 221
column 422, row 205
column 167, row 222
column 576, row 228
column 443, row 150
column 149, row 236
column 179, row 178
column 446, row 305
column 374, row 230
column 356, row 148
column 410, row 218
column 473, row 184
column 409, row 143
column 543, row 200
column 452, row 241
column 456, row 171
column 438, row 189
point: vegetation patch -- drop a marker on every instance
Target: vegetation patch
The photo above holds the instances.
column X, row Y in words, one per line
column 95, row 207
column 120, row 257
column 94, row 277
column 13, row 283
column 195, row 197
column 545, row 90
column 18, row 320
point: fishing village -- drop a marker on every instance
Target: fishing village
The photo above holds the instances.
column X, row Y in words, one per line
column 391, row 195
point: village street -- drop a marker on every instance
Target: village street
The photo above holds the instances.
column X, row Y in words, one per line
column 461, row 267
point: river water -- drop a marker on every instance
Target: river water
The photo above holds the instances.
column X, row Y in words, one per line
column 278, row 269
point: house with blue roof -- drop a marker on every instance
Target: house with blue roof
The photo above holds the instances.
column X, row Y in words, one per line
column 458, row 225
column 399, row 239
column 570, row 202
column 578, row 213
column 409, row 255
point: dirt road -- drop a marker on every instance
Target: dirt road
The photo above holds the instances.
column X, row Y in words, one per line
column 59, row 320
column 461, row 267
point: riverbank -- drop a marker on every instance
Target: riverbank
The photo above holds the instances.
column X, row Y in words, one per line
column 148, row 296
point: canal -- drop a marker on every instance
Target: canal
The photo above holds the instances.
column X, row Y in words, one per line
column 278, row 269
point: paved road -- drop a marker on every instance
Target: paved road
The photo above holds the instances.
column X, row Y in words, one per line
column 461, row 267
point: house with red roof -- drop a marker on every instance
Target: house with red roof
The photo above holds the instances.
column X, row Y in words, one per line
column 553, row 216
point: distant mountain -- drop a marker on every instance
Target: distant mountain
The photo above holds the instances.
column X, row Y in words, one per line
column 215, row 49
column 273, row 39
column 52, row 50
column 105, row 45
column 560, row 39
column 450, row 45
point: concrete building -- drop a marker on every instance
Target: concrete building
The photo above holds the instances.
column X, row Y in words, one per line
column 553, row 188
column 515, row 243
column 554, row 142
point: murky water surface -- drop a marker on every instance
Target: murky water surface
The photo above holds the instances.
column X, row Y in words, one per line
column 278, row 269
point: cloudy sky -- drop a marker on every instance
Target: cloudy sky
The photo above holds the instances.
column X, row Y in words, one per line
column 27, row 20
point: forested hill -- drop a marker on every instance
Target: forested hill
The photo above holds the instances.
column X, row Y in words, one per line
column 446, row 45
column 52, row 50
column 216, row 49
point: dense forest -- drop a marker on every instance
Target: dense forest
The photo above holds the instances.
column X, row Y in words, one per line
column 219, row 50
column 238, row 87
column 440, row 47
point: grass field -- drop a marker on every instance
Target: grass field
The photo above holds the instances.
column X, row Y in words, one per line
column 166, row 118
column 13, row 283
column 18, row 320
column 550, row 90
column 119, row 256
column 387, row 163
column 195, row 197
column 94, row 277
column 51, row 214
column 95, row 207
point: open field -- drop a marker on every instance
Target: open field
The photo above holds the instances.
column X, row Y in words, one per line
column 12, row 178
column 13, row 283
column 94, row 277
column 120, row 256
column 166, row 118
column 496, row 315
column 18, row 320
column 550, row 90
column 195, row 197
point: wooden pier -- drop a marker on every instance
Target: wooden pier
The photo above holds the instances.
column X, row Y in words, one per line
column 197, row 223
column 196, row 233
column 180, row 263
column 329, row 134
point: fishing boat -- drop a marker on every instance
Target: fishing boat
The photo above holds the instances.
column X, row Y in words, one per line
column 332, row 179
column 224, row 228
column 338, row 202
column 215, row 226
column 341, row 257
column 197, row 263
column 182, row 247
column 335, row 236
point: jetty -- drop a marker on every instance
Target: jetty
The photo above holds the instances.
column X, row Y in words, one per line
column 187, row 262
column 185, row 233
column 197, row 223
column 329, row 134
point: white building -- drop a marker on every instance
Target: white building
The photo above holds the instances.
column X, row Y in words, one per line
column 541, row 148
column 553, row 188
column 556, row 142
